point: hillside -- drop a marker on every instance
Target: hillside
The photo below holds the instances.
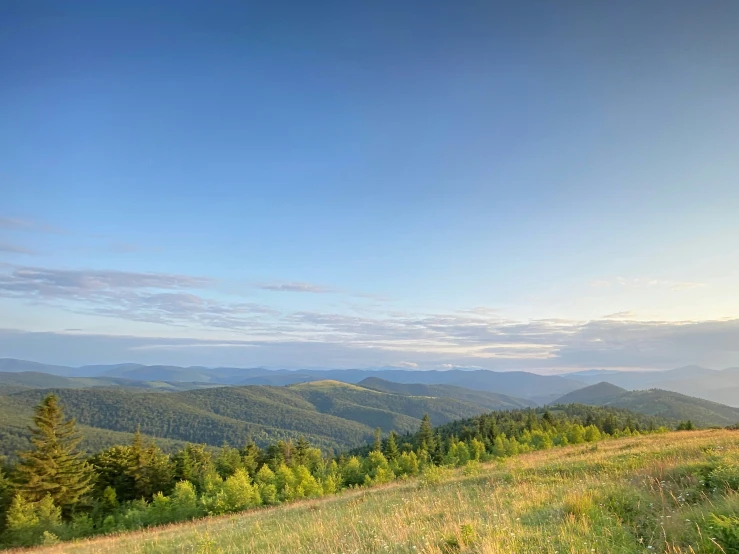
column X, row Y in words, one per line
column 594, row 394
column 664, row 404
column 715, row 385
column 487, row 400
column 332, row 415
column 627, row 495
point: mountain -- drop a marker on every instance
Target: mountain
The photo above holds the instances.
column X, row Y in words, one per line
column 716, row 385
column 594, row 394
column 36, row 380
column 13, row 365
column 656, row 402
column 518, row 384
column 486, row 400
column 331, row 414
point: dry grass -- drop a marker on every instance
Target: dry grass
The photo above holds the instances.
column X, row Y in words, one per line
column 620, row 496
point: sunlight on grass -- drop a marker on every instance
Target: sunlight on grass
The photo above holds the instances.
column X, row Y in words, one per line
column 674, row 493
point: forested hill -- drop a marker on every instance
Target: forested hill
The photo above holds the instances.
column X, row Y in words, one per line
column 332, row 415
column 661, row 403
column 490, row 400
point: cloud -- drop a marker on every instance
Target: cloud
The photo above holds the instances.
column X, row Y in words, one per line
column 296, row 287
column 18, row 224
column 535, row 345
column 640, row 282
column 65, row 283
column 628, row 314
column 146, row 297
column 14, row 249
column 408, row 365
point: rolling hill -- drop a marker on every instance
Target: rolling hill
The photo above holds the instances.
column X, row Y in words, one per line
column 487, row 400
column 715, row 385
column 331, row 414
column 661, row 403
column 594, row 394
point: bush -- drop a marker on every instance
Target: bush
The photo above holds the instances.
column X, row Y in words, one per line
column 727, row 532
column 724, row 476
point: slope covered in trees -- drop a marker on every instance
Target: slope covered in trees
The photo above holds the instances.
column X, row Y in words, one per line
column 487, row 400
column 333, row 415
column 661, row 403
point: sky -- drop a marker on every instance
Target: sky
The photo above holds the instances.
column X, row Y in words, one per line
column 547, row 186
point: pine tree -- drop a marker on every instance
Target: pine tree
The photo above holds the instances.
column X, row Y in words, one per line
column 150, row 468
column 426, row 434
column 54, row 467
column 391, row 447
column 377, row 444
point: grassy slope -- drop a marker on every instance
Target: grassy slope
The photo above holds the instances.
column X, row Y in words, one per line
column 621, row 496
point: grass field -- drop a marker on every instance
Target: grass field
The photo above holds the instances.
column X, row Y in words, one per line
column 674, row 492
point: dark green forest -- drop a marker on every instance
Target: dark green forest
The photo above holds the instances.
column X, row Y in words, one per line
column 333, row 416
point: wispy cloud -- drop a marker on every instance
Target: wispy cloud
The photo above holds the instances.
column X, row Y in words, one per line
column 296, row 287
column 15, row 249
column 628, row 314
column 524, row 345
column 19, row 224
column 639, row 282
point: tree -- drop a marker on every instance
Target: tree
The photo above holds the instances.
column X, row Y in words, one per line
column 391, row 447
column 54, row 467
column 425, row 434
column 150, row 468
column 377, row 443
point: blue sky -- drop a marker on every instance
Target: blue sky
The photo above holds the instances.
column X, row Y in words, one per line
column 428, row 184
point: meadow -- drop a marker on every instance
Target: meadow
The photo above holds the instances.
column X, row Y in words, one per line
column 673, row 492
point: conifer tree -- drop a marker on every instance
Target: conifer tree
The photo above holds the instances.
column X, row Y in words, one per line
column 150, row 467
column 54, row 467
column 426, row 434
column 391, row 447
column 377, row 443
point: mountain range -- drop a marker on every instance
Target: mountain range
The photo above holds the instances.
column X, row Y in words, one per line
column 331, row 414
column 656, row 402
column 716, row 385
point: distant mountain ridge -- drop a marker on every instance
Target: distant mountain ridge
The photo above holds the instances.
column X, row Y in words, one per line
column 716, row 385
column 519, row 384
column 657, row 402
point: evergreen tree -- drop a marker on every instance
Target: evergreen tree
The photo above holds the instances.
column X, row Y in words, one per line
column 228, row 461
column 150, row 468
column 251, row 458
column 425, row 435
column 377, row 444
column 391, row 447
column 301, row 451
column 54, row 467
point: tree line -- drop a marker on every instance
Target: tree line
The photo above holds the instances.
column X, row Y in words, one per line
column 55, row 492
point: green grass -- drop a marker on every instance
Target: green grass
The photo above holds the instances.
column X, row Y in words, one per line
column 673, row 493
